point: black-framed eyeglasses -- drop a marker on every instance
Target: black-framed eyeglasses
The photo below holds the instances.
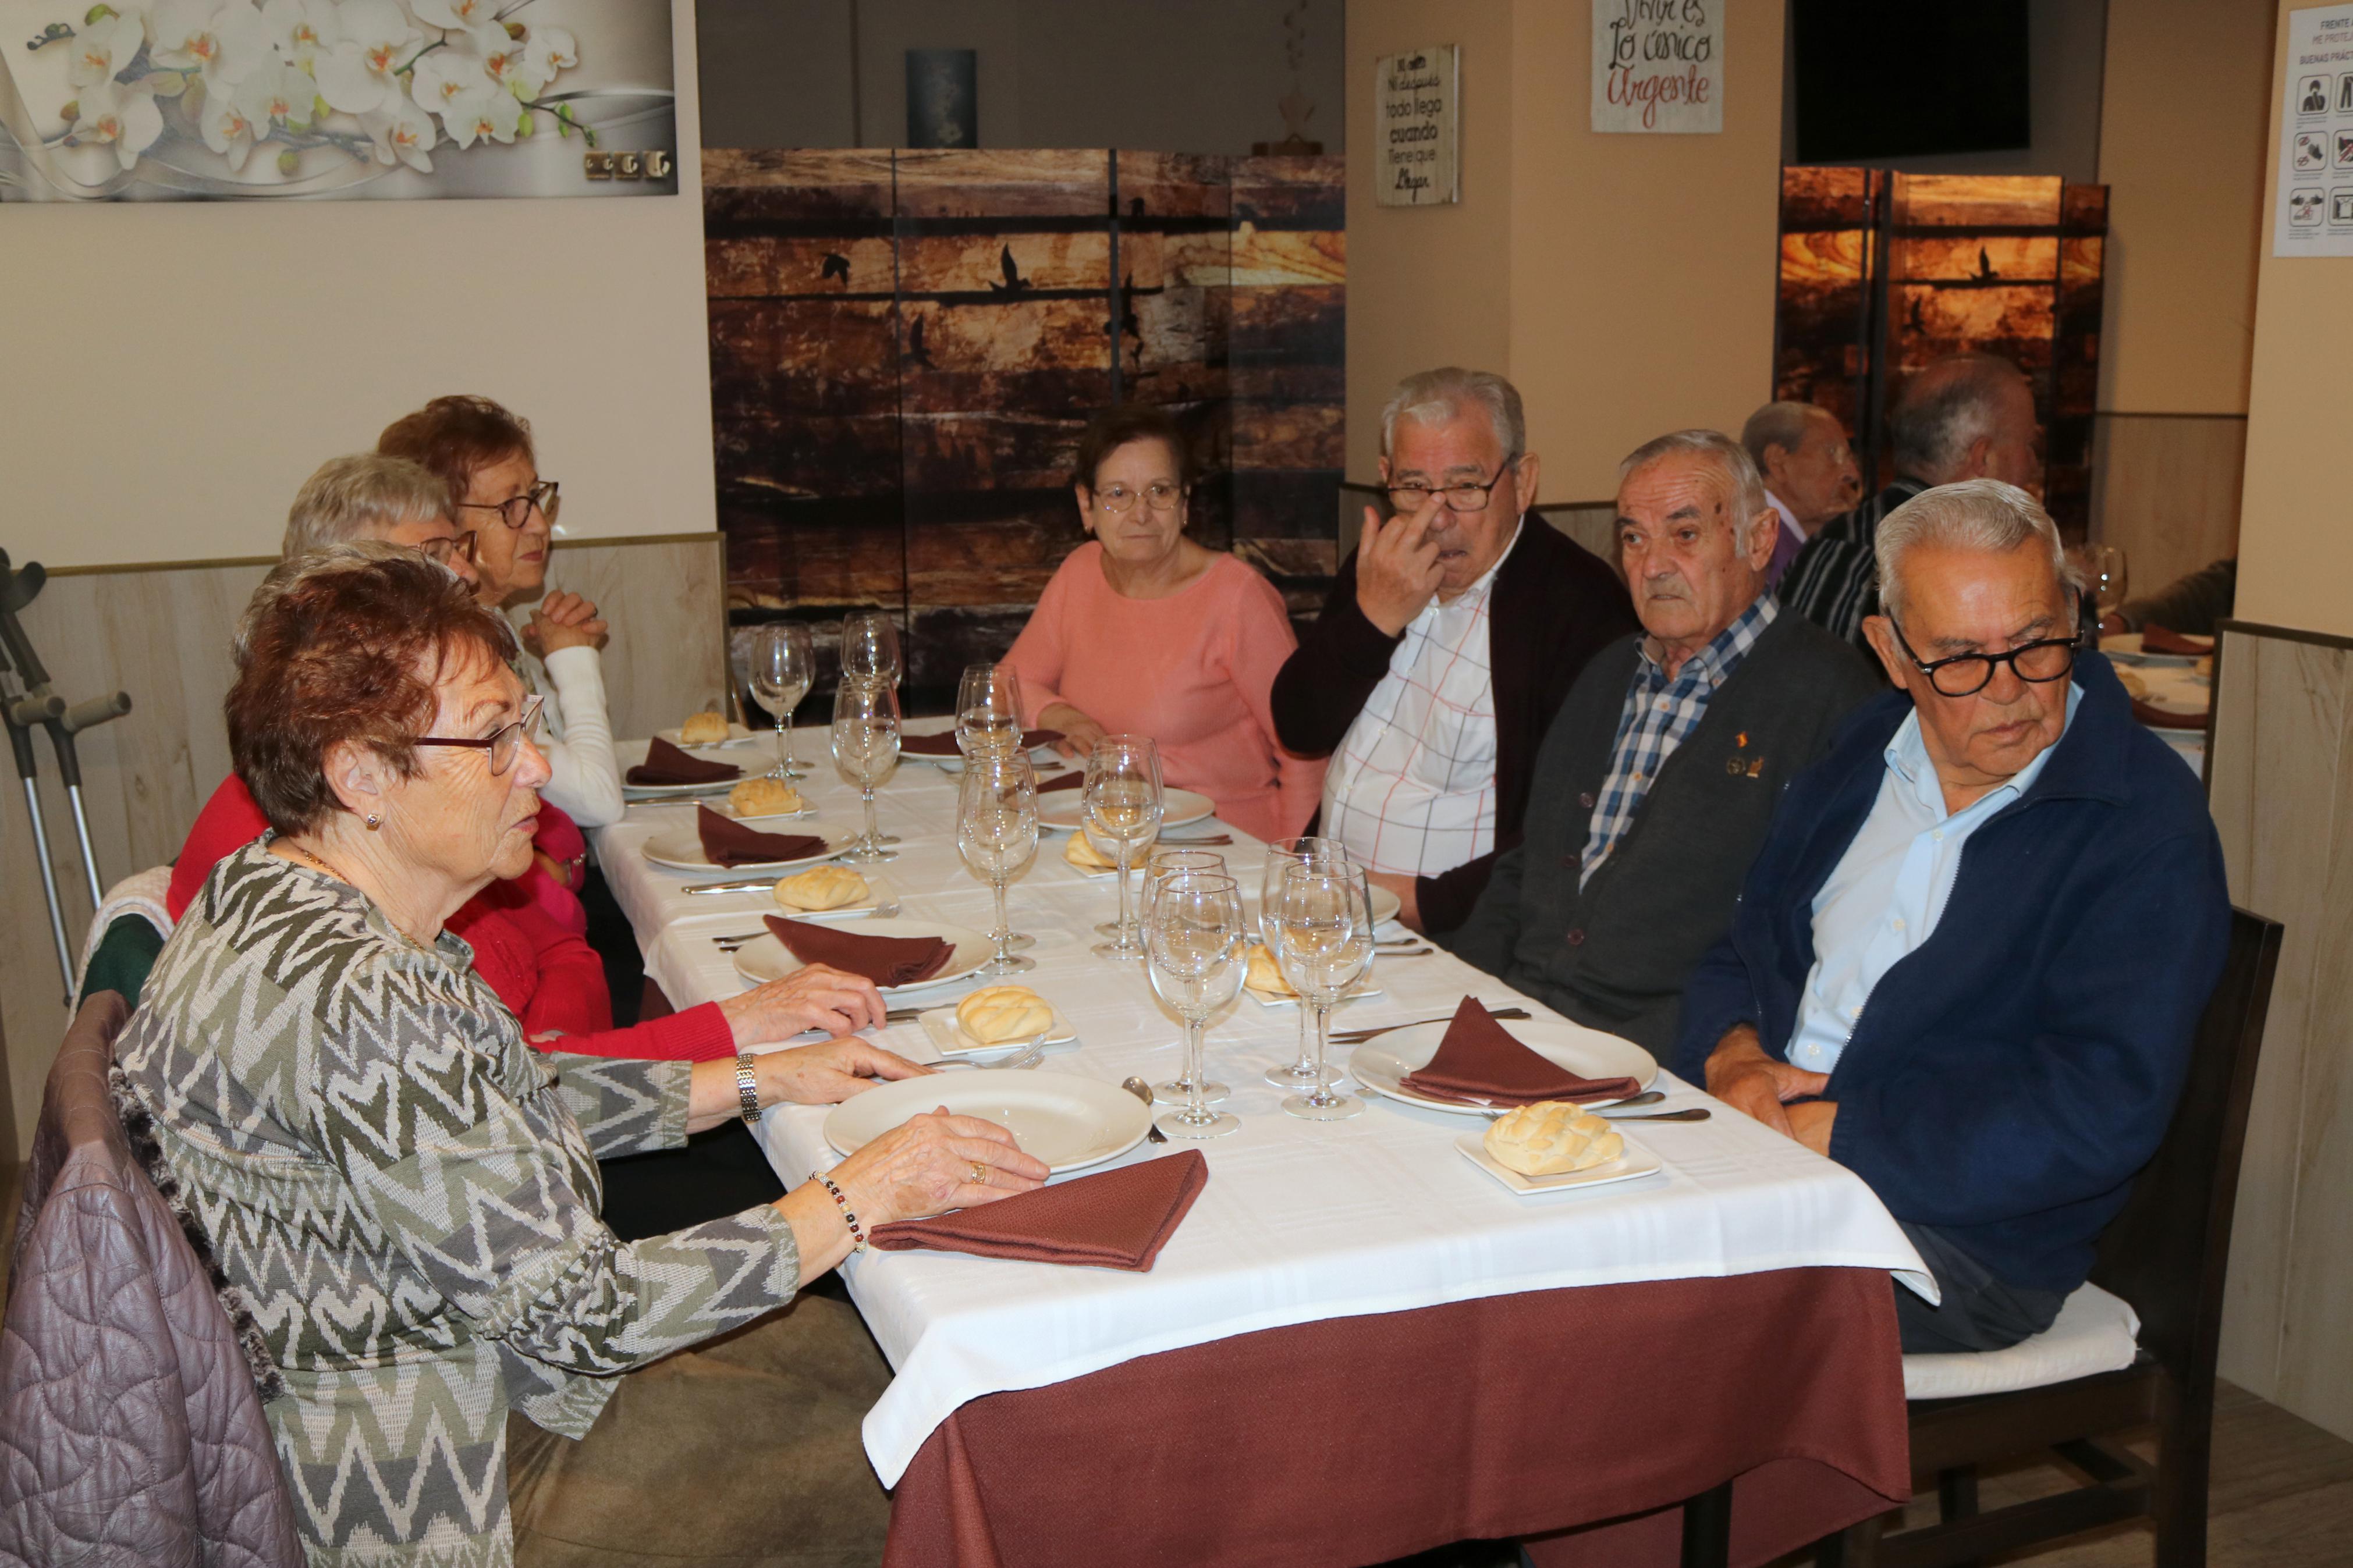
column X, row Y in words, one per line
column 515, row 510
column 1967, row 674
column 1119, row 500
column 1464, row 497
column 503, row 743
column 456, row 547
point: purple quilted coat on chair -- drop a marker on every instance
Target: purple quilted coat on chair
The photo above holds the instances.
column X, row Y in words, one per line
column 130, row 1431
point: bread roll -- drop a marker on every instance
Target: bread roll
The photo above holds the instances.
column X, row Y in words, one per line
column 763, row 797
column 1552, row 1138
column 1265, row 976
column 821, row 888
column 997, row 1014
column 1080, row 852
column 2130, row 679
column 702, row 730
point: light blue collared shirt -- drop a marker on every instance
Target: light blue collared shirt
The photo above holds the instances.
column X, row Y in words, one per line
column 1889, row 889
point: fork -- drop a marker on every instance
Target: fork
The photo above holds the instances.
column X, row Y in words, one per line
column 1027, row 1059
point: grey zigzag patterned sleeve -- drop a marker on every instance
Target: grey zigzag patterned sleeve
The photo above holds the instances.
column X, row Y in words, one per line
column 626, row 1105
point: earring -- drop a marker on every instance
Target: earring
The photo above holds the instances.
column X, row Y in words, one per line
column 374, row 822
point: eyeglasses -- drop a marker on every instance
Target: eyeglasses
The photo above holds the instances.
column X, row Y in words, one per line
column 456, row 547
column 515, row 510
column 1119, row 500
column 503, row 744
column 1464, row 496
column 1967, row 674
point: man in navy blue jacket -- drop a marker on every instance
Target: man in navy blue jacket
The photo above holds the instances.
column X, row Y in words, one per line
column 1971, row 959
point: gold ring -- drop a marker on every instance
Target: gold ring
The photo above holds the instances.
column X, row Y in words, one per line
column 979, row 1176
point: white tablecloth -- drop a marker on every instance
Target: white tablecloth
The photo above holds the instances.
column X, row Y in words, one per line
column 1301, row 1220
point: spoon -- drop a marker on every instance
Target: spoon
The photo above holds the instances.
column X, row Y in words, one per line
column 1143, row 1091
column 1697, row 1113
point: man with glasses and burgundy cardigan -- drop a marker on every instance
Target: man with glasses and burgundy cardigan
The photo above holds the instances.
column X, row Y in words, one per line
column 1451, row 636
column 1969, row 961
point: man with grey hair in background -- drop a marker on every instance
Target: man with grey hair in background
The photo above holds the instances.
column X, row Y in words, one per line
column 1659, row 776
column 1993, row 1040
column 1451, row 636
column 1802, row 450
column 1968, row 417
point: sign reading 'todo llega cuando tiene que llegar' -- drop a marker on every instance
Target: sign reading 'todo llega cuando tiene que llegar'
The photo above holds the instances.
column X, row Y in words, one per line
column 1414, row 162
column 1658, row 64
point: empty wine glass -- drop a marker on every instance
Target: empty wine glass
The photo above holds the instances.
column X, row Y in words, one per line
column 1194, row 936
column 865, row 750
column 1324, row 944
column 870, row 647
column 1123, row 805
column 1167, row 863
column 2106, row 567
column 1280, row 855
column 996, row 833
column 782, row 666
column 988, row 710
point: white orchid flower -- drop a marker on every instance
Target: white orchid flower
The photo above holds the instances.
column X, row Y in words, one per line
column 462, row 14
column 361, row 73
column 547, row 51
column 507, row 61
column 276, row 95
column 445, row 78
column 121, row 118
column 228, row 129
column 225, row 42
column 104, row 47
column 401, row 131
column 301, row 31
column 474, row 116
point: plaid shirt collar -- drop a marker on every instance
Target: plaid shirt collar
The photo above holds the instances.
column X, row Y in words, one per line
column 1712, row 666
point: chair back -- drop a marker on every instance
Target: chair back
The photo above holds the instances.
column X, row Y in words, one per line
column 2167, row 1251
column 130, row 1430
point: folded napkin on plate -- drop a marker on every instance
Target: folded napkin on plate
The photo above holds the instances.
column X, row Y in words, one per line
column 943, row 744
column 2157, row 718
column 1118, row 1219
column 665, row 764
column 884, row 960
column 2161, row 639
column 1076, row 779
column 1480, row 1060
column 730, row 843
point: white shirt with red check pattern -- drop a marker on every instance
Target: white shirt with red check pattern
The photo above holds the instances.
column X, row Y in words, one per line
column 1411, row 790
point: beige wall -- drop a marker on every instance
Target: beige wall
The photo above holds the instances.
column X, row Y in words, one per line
column 177, row 368
column 1625, row 283
column 2182, row 151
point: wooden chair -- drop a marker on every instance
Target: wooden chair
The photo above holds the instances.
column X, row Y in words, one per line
column 2166, row 1254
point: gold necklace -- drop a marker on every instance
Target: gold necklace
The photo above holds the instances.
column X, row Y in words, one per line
column 319, row 861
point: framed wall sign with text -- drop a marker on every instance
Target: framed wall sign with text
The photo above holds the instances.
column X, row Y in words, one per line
column 1658, row 64
column 1417, row 95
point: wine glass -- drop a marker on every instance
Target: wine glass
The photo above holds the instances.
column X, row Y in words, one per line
column 988, row 710
column 1123, row 805
column 865, row 750
column 2105, row 564
column 1167, row 862
column 1324, row 944
column 996, row 833
column 783, row 667
column 1280, row 855
column 1194, row 936
column 870, row 647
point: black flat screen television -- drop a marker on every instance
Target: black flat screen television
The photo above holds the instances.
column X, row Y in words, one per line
column 1876, row 79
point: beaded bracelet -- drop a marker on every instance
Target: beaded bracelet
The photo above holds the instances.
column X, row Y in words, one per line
column 856, row 1232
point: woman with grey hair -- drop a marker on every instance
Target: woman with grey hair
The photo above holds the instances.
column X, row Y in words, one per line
column 366, row 495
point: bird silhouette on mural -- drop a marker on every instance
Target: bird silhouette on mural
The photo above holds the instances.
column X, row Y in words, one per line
column 1014, row 282
column 836, row 266
column 916, row 354
column 1986, row 273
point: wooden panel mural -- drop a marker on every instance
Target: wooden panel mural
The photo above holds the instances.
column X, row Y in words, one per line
column 905, row 348
column 1882, row 273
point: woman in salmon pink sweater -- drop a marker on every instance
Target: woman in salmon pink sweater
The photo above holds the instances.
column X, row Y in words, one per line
column 1144, row 632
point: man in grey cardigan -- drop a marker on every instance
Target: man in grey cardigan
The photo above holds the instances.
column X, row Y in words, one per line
column 1659, row 776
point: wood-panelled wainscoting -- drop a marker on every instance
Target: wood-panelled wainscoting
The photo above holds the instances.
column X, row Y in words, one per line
column 161, row 633
column 2166, row 488
column 2280, row 780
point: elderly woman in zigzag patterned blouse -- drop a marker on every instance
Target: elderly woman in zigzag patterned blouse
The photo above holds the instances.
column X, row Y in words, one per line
column 402, row 1194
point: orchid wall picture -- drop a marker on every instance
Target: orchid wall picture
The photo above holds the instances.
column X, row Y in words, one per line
column 196, row 100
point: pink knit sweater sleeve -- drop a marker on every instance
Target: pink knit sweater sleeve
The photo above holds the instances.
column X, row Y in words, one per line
column 1262, row 641
column 1041, row 652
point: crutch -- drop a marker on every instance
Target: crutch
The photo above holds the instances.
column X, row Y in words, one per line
column 21, row 714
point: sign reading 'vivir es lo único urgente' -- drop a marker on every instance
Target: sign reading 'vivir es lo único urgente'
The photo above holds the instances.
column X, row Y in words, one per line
column 1658, row 64
column 1414, row 162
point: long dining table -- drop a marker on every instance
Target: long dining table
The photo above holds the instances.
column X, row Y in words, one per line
column 1358, row 1344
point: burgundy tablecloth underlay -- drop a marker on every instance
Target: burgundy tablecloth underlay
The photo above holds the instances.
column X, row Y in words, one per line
column 1588, row 1412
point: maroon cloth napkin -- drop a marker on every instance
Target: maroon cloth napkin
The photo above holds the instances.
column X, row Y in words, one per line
column 726, row 842
column 1479, row 1059
column 1076, row 779
column 943, row 744
column 1117, row 1220
column 884, row 960
column 665, row 764
column 2157, row 718
column 2163, row 639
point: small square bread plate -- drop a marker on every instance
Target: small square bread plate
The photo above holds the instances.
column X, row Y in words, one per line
column 950, row 1040
column 1635, row 1162
column 1356, row 993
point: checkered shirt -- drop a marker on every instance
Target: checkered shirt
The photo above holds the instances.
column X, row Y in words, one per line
column 1411, row 790
column 1659, row 713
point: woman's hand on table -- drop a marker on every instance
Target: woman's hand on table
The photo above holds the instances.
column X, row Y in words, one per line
column 815, row 997
column 1079, row 732
column 828, row 1074
column 926, row 1166
column 563, row 620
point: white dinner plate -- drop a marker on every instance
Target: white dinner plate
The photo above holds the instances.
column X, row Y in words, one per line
column 723, row 809
column 680, row 849
column 1635, row 1162
column 950, row 1039
column 764, row 958
column 1386, row 906
column 736, row 736
column 2127, row 646
column 1380, row 1065
column 1062, row 809
column 1069, row 1122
